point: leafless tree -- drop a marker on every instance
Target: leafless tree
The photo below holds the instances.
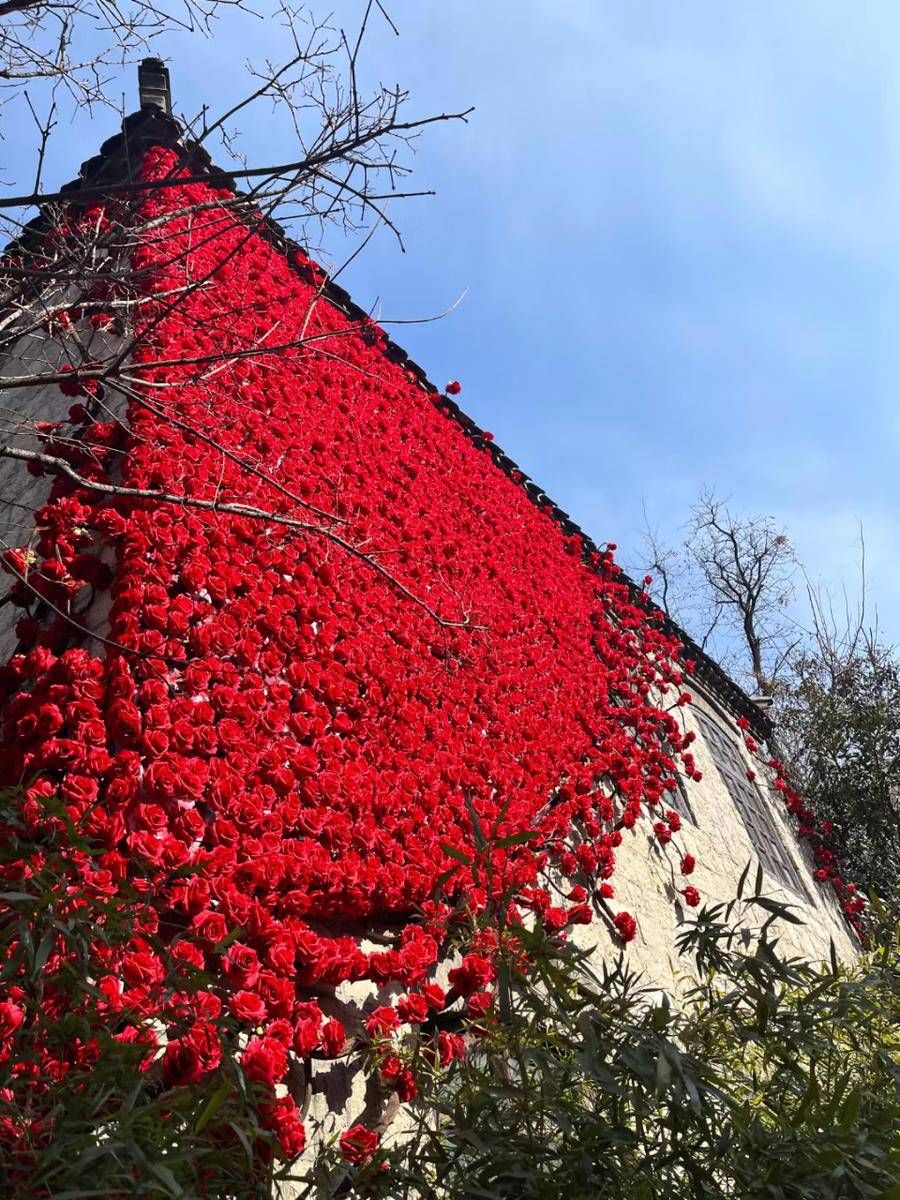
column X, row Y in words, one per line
column 65, row 52
column 748, row 566
column 833, row 683
column 731, row 583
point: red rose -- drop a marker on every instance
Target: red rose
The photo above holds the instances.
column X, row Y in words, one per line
column 194, row 894
column 283, row 1118
column 248, row 1007
column 435, row 995
column 204, row 1039
column 307, row 1024
column 333, row 1038
column 580, row 914
column 412, row 1009
column 663, row 832
column 181, row 1063
column 691, row 896
column 210, row 926
column 142, row 969
column 278, row 994
column 49, row 720
column 358, row 1144
column 189, row 954
column 391, row 1068
column 264, row 1061
column 131, row 1035
column 479, row 1004
column 451, row 1047
column 472, row 975
column 241, row 965
column 11, row 1017
column 626, row 926
column 382, row 1021
column 282, row 953
column 687, row 864
column 453, row 388
column 554, row 918
column 204, row 1006
column 80, row 790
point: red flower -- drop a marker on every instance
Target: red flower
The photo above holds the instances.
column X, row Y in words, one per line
column 412, row 1009
column 626, row 926
column 289, row 728
column 691, row 896
column 204, row 1040
column 210, row 926
column 453, row 388
column 333, row 1038
column 241, row 965
column 248, row 1007
column 142, row 969
column 283, row 1118
column 451, row 1047
column 181, row 1063
column 382, row 1022
column 264, row 1060
column 358, row 1144
column 479, row 1004
column 472, row 975
column 687, row 864
column 11, row 1017
column 435, row 995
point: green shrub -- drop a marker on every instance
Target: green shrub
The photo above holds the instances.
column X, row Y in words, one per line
column 771, row 1079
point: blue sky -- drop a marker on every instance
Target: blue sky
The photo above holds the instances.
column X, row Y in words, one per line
column 678, row 230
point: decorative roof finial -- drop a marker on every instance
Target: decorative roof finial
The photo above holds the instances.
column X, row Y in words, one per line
column 153, row 85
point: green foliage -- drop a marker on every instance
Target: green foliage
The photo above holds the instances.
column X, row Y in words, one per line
column 840, row 718
column 771, row 1079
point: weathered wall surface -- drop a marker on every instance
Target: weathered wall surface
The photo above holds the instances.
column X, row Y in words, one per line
column 647, row 885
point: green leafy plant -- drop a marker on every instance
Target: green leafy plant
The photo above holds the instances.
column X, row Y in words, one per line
column 766, row 1078
column 771, row 1077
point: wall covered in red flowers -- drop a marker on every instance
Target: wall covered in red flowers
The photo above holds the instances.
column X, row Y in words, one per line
column 388, row 682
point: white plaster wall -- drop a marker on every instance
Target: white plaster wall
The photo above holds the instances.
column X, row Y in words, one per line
column 721, row 844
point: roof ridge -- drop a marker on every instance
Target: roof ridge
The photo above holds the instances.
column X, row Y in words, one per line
column 150, row 126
